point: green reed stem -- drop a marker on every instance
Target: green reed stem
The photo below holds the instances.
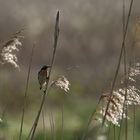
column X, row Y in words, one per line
column 26, row 91
column 56, row 35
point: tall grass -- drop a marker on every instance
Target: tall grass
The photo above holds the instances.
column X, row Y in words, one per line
column 120, row 57
column 111, row 96
column 26, row 92
column 56, row 35
column 43, row 122
column 109, row 99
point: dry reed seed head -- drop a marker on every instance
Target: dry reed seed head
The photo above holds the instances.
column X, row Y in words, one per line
column 62, row 82
column 114, row 113
column 135, row 71
column 116, row 106
column 119, row 100
column 133, row 97
column 131, row 79
column 8, row 52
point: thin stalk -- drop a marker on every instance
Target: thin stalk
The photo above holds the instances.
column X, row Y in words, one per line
column 52, row 126
column 134, row 121
column 89, row 121
column 56, row 35
column 33, row 128
column 119, row 61
column 132, row 58
column 43, row 121
column 114, row 131
column 125, row 102
column 30, row 132
column 130, row 64
column 108, row 134
column 120, row 130
column 123, row 29
column 62, row 121
column 125, row 77
column 4, row 112
column 26, row 91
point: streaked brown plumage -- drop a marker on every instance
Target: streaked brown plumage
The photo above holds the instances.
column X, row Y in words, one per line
column 43, row 75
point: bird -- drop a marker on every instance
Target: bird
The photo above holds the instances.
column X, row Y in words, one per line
column 43, row 76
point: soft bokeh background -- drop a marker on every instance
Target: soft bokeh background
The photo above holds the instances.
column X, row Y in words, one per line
column 87, row 54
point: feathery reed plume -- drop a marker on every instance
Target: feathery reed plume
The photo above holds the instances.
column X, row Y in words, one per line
column 7, row 52
column 115, row 111
column 120, row 57
column 134, row 71
column 62, row 82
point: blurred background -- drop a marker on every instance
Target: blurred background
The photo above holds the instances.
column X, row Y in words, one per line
column 87, row 54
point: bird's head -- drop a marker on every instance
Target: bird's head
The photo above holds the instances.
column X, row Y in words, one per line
column 45, row 67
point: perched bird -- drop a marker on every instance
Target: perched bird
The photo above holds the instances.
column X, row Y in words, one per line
column 43, row 76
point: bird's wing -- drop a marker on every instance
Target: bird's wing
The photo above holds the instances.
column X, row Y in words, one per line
column 42, row 77
column 39, row 77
